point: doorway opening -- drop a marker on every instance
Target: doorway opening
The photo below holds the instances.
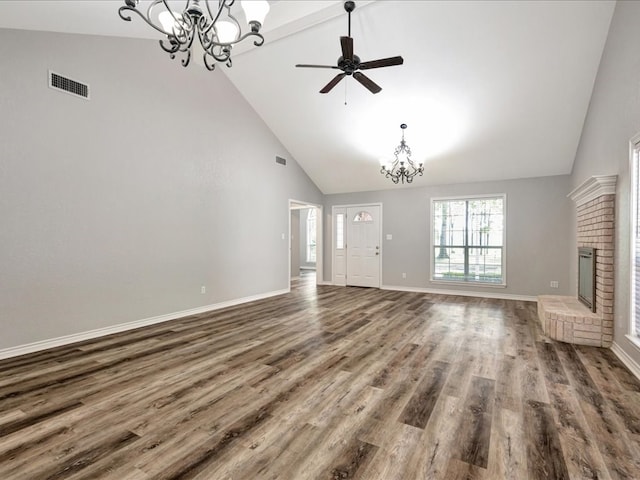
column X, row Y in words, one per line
column 305, row 241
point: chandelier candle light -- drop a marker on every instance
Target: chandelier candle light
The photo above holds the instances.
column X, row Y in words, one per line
column 402, row 169
column 215, row 30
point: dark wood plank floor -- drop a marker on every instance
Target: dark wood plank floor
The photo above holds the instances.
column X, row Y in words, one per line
column 324, row 383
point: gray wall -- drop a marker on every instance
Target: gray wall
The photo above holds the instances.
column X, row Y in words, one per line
column 612, row 120
column 538, row 222
column 120, row 208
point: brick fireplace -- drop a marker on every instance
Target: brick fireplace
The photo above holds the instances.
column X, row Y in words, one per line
column 565, row 318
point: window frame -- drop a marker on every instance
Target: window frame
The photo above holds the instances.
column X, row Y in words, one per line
column 339, row 235
column 432, row 244
column 634, row 193
column 311, row 213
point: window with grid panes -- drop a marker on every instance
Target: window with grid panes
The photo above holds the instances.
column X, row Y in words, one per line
column 311, row 236
column 468, row 239
column 635, row 241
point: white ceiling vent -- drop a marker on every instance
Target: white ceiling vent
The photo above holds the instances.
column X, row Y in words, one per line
column 67, row 85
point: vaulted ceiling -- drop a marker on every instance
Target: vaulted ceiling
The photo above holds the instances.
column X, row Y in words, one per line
column 490, row 90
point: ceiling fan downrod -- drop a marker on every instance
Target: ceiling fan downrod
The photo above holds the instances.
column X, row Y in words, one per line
column 349, row 6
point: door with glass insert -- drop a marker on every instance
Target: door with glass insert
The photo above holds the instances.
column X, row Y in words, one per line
column 363, row 246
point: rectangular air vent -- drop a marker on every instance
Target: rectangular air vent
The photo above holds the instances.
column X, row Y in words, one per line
column 281, row 160
column 68, row 85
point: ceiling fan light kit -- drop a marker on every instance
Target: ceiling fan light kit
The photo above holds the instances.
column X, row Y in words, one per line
column 351, row 65
column 211, row 30
column 403, row 169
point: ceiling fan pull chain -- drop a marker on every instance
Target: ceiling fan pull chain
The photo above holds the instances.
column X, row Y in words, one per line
column 345, row 93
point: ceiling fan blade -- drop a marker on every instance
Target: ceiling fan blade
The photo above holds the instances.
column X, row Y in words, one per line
column 347, row 47
column 367, row 82
column 383, row 62
column 333, row 83
column 317, row 66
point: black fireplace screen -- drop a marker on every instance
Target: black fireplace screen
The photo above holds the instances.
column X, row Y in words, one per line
column 587, row 277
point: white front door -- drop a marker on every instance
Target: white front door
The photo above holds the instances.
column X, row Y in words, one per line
column 363, row 246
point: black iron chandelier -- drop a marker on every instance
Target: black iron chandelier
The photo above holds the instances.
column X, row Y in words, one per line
column 215, row 30
column 402, row 169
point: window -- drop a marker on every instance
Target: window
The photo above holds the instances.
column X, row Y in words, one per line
column 635, row 241
column 339, row 231
column 311, row 236
column 468, row 240
column 363, row 217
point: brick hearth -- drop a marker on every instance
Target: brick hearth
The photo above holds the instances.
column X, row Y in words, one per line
column 568, row 320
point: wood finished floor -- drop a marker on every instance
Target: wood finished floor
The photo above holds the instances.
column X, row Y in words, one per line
column 324, row 383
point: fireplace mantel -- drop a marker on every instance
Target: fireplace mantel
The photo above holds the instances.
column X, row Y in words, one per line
column 594, row 187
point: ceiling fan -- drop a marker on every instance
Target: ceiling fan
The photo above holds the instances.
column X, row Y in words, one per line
column 350, row 64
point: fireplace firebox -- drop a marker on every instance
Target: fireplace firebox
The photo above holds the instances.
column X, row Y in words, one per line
column 587, row 277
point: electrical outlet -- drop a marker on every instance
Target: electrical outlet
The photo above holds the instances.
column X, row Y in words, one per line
column 203, row 289
column 404, row 275
column 554, row 284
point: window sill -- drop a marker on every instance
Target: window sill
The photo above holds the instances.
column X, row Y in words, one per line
column 635, row 341
column 468, row 284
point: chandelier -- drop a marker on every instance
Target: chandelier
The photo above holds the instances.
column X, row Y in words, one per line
column 200, row 28
column 402, row 169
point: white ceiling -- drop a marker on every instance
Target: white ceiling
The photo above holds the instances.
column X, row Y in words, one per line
column 489, row 90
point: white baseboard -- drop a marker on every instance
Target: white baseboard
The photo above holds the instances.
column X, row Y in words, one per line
column 501, row 296
column 101, row 332
column 624, row 357
column 325, row 283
